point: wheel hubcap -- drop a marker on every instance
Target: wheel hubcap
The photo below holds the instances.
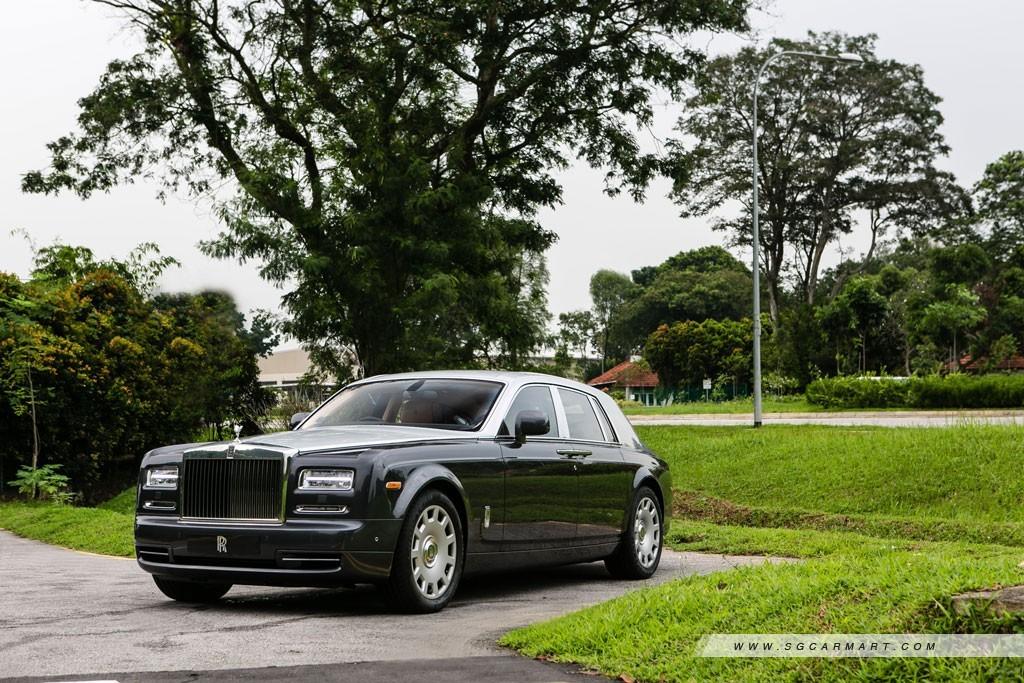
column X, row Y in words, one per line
column 434, row 550
column 647, row 532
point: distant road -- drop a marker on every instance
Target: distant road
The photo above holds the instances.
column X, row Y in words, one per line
column 909, row 418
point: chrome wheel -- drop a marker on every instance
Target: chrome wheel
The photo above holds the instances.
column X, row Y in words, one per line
column 647, row 532
column 434, row 550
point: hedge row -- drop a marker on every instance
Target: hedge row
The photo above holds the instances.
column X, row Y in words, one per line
column 951, row 391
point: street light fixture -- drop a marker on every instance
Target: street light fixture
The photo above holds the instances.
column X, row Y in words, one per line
column 844, row 58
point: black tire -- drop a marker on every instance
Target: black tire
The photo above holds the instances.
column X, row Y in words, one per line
column 635, row 558
column 191, row 591
column 414, row 570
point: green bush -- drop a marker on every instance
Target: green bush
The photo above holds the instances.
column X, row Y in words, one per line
column 859, row 392
column 934, row 391
column 968, row 391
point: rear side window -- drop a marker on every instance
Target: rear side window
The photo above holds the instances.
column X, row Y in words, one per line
column 533, row 398
column 579, row 414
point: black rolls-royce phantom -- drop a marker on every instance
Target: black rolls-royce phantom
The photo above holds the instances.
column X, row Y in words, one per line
column 408, row 481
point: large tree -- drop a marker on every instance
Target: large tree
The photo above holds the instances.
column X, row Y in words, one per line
column 702, row 283
column 834, row 140
column 385, row 158
column 610, row 291
column 1000, row 198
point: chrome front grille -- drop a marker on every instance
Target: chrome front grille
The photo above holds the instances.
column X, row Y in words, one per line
column 248, row 489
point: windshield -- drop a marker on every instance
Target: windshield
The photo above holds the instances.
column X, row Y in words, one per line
column 444, row 403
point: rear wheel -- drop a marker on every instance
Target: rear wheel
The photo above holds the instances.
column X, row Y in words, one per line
column 191, row 591
column 429, row 558
column 639, row 552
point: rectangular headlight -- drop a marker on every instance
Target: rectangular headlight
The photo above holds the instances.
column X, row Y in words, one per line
column 162, row 477
column 326, row 480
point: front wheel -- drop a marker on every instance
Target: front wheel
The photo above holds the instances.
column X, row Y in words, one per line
column 429, row 558
column 639, row 552
column 191, row 591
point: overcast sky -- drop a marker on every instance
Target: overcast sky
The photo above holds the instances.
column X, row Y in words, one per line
column 52, row 52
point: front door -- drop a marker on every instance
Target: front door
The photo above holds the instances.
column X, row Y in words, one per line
column 540, row 481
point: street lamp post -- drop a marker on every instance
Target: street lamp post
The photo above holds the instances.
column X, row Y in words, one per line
column 845, row 57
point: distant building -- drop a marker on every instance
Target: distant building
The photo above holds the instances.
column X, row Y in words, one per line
column 1014, row 363
column 284, row 371
column 635, row 381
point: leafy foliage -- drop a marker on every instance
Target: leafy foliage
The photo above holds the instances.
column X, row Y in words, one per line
column 114, row 372
column 692, row 285
column 687, row 352
column 44, row 482
column 833, row 139
column 387, row 158
column 933, row 391
column 1000, row 198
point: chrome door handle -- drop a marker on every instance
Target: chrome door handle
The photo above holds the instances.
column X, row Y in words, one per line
column 573, row 453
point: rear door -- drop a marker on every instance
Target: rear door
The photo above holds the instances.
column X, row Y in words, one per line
column 605, row 479
column 540, row 479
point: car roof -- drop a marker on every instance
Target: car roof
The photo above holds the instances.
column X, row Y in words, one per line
column 503, row 376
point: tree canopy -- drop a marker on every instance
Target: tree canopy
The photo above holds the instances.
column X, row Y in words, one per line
column 385, row 159
column 94, row 371
column 834, row 140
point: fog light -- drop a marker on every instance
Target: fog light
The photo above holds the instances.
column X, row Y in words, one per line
column 326, row 480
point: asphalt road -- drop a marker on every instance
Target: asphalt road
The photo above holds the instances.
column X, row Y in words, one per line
column 909, row 418
column 66, row 615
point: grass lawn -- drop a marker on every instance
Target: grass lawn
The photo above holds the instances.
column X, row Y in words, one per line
column 95, row 530
column 969, row 473
column 793, row 404
column 898, row 486
column 850, row 584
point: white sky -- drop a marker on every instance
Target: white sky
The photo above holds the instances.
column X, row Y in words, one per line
column 52, row 52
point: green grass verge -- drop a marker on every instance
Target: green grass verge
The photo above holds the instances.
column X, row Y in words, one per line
column 850, row 584
column 697, row 506
column 889, row 525
column 91, row 529
column 123, row 502
column 968, row 473
column 795, row 404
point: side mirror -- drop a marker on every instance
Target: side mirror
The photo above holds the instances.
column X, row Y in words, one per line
column 296, row 419
column 530, row 423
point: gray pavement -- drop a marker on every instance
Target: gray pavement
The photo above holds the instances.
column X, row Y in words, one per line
column 67, row 615
column 908, row 418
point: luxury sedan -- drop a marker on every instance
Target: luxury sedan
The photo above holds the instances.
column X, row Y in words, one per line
column 408, row 481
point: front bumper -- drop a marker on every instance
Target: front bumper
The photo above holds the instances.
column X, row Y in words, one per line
column 311, row 552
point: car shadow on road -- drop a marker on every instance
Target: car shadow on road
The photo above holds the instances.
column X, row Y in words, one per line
column 503, row 587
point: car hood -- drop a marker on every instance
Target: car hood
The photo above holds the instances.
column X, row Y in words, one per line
column 354, row 436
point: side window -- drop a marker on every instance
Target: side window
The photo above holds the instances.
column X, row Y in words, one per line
column 533, row 398
column 580, row 415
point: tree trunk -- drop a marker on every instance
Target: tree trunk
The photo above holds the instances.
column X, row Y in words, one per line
column 815, row 265
column 35, row 428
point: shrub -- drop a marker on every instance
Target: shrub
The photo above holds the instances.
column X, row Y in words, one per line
column 968, row 391
column 858, row 392
column 933, row 391
column 780, row 385
column 44, row 482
